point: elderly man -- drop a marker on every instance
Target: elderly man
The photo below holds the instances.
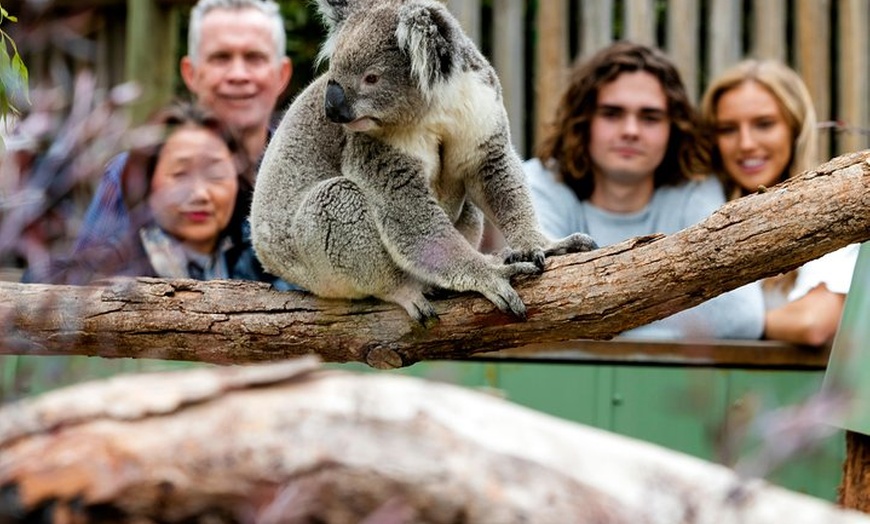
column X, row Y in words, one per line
column 237, row 68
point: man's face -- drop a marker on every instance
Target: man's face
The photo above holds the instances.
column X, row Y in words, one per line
column 237, row 74
column 630, row 128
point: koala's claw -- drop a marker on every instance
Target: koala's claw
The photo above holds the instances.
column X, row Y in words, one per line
column 412, row 300
column 574, row 243
column 535, row 256
column 510, row 270
column 423, row 313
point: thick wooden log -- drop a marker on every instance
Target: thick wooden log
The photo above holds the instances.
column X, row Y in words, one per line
column 288, row 443
column 593, row 295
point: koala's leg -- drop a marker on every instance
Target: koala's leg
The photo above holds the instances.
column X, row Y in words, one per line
column 470, row 224
column 417, row 232
column 344, row 255
column 410, row 296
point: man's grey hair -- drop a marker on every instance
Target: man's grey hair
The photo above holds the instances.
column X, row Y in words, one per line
column 267, row 7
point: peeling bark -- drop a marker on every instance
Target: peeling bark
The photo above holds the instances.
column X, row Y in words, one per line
column 592, row 295
column 289, row 443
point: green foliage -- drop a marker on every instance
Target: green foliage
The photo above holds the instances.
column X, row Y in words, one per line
column 13, row 73
column 305, row 33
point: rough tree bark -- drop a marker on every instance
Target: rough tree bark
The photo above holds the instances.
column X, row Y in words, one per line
column 855, row 484
column 300, row 445
column 592, row 295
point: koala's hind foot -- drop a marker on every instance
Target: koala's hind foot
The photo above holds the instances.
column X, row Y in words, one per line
column 574, row 243
column 411, row 298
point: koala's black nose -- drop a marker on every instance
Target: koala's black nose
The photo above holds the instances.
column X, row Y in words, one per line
column 336, row 106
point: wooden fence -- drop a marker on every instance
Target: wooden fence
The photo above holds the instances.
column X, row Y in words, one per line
column 532, row 43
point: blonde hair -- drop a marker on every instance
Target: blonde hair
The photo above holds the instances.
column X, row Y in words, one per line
column 791, row 96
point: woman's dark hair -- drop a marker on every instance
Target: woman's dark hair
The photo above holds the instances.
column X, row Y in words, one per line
column 139, row 168
column 566, row 141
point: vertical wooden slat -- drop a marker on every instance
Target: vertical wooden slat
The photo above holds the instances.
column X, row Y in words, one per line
column 552, row 59
column 682, row 42
column 508, row 39
column 723, row 35
column 468, row 14
column 596, row 26
column 813, row 58
column 152, row 40
column 640, row 20
column 769, row 29
column 854, row 74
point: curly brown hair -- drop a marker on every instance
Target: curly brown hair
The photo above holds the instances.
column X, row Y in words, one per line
column 565, row 144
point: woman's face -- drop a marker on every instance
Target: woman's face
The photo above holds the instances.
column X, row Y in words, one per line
column 194, row 187
column 753, row 137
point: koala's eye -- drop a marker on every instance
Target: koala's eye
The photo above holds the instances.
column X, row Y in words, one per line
column 371, row 79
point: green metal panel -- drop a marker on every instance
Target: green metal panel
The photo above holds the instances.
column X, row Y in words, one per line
column 678, row 408
column 569, row 392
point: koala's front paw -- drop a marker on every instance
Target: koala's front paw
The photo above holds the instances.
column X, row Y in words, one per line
column 574, row 243
column 533, row 255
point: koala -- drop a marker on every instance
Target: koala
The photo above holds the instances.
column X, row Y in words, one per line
column 378, row 178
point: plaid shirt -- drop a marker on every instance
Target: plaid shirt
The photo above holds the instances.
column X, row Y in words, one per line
column 107, row 218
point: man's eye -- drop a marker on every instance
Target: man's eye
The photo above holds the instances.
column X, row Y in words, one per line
column 256, row 58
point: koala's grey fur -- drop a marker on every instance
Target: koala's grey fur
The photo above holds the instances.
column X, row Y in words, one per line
column 377, row 180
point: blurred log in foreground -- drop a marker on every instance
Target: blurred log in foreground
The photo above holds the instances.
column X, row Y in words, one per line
column 289, row 443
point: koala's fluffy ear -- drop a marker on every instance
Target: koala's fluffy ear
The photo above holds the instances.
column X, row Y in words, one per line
column 333, row 13
column 431, row 37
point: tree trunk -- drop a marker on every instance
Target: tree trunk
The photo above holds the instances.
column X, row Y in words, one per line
column 592, row 295
column 288, row 443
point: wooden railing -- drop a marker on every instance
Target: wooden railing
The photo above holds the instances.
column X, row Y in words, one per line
column 732, row 354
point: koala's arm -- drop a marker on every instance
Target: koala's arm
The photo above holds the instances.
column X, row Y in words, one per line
column 498, row 187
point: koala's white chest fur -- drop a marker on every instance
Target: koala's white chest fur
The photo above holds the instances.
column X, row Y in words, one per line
column 450, row 139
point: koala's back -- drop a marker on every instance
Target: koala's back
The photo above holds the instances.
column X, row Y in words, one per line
column 304, row 151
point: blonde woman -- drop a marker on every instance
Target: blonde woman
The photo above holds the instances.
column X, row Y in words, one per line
column 765, row 131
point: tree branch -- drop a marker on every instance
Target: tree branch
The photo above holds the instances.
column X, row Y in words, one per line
column 592, row 295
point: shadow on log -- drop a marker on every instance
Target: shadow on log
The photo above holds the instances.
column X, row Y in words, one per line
column 289, row 443
column 592, row 295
